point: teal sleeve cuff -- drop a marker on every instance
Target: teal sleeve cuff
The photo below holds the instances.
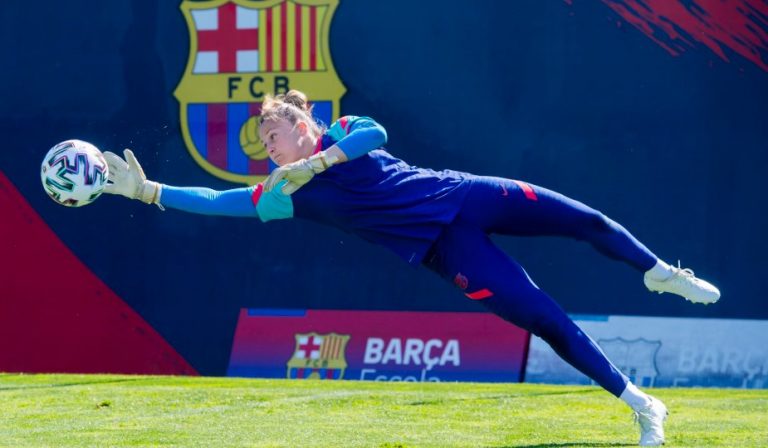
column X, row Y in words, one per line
column 273, row 204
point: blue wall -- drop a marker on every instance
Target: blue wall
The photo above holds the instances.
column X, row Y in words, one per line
column 673, row 147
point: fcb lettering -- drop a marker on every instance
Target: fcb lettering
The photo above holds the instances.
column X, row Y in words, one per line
column 256, row 86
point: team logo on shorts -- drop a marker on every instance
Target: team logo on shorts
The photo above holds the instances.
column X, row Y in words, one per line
column 319, row 356
column 239, row 51
column 461, row 281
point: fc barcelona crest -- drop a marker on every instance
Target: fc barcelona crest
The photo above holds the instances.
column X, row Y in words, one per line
column 239, row 51
column 636, row 358
column 319, row 356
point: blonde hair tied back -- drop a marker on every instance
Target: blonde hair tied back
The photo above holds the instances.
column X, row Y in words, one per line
column 292, row 106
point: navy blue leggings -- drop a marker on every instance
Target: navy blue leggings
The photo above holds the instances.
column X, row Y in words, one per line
column 465, row 255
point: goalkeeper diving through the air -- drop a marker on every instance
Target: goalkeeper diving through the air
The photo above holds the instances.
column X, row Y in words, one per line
column 342, row 176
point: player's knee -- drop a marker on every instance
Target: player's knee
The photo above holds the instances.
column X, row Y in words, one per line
column 539, row 320
column 549, row 326
column 599, row 224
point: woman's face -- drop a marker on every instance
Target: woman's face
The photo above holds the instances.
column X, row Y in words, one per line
column 283, row 140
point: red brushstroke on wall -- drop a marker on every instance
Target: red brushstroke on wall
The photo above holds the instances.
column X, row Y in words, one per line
column 738, row 25
column 57, row 316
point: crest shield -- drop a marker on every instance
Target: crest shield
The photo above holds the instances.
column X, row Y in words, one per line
column 239, row 51
column 635, row 357
column 319, row 356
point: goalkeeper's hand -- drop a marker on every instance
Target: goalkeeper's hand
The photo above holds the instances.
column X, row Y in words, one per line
column 300, row 172
column 127, row 178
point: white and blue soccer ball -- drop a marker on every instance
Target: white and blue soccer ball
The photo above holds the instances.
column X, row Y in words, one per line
column 74, row 173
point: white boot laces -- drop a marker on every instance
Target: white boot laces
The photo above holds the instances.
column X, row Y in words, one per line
column 680, row 272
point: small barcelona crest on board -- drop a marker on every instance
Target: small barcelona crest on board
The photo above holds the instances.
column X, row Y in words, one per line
column 319, row 356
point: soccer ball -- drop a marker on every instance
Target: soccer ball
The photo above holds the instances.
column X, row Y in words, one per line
column 74, row 173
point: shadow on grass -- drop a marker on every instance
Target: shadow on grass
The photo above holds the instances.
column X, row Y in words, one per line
column 508, row 396
column 569, row 444
column 79, row 383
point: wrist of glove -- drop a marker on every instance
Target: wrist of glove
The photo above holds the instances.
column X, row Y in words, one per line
column 321, row 161
column 299, row 172
column 149, row 192
column 127, row 178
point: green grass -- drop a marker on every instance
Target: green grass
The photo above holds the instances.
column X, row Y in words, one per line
column 105, row 410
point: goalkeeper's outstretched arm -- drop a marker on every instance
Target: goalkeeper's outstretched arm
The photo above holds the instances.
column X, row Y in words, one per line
column 236, row 202
column 127, row 178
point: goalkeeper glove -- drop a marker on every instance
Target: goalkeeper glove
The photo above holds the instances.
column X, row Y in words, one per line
column 300, row 172
column 127, row 178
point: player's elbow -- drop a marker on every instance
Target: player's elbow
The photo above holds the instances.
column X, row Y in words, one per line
column 380, row 136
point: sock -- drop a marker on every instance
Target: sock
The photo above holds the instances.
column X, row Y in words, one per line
column 661, row 271
column 634, row 397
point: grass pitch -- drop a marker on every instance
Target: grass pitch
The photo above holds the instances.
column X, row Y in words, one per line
column 108, row 410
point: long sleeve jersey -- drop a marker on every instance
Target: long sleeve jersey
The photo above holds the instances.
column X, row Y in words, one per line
column 373, row 195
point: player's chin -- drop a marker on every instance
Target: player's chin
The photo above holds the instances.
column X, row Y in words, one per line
column 277, row 159
column 282, row 159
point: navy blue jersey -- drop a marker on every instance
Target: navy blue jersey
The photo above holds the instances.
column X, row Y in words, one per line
column 384, row 200
column 374, row 195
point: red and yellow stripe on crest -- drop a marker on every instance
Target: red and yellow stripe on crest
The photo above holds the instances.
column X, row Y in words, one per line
column 332, row 347
column 290, row 33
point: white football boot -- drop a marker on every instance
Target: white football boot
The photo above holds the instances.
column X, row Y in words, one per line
column 651, row 419
column 683, row 283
